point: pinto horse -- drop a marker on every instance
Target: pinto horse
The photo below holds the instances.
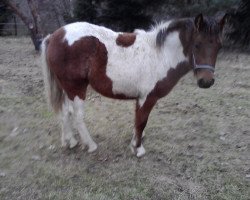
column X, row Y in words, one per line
column 143, row 65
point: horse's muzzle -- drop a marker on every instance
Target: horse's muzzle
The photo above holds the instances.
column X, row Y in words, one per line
column 202, row 83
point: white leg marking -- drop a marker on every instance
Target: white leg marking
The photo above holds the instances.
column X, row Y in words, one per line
column 67, row 135
column 133, row 144
column 143, row 134
column 63, row 139
column 133, row 141
column 140, row 151
column 72, row 142
column 81, row 127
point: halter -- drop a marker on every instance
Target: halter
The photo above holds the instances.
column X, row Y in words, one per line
column 204, row 66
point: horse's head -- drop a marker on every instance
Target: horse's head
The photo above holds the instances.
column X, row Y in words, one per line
column 206, row 43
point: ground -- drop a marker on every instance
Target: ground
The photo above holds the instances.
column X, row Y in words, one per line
column 197, row 141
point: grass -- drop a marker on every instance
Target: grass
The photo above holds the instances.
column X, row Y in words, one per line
column 197, row 141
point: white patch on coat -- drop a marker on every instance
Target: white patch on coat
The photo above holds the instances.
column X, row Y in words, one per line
column 139, row 31
column 136, row 69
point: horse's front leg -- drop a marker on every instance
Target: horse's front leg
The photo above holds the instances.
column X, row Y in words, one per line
column 141, row 117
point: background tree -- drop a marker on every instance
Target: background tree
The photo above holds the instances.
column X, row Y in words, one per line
column 4, row 15
column 86, row 10
column 67, row 13
column 33, row 24
column 123, row 15
column 126, row 15
column 240, row 24
column 190, row 8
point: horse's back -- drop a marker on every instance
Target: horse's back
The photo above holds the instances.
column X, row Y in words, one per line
column 77, row 30
column 82, row 52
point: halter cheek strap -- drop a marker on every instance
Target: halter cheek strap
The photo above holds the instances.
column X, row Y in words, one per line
column 203, row 66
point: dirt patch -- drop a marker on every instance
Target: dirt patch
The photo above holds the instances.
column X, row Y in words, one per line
column 197, row 141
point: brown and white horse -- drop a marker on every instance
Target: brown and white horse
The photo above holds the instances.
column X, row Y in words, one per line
column 143, row 66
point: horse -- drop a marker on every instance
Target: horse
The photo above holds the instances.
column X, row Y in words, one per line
column 142, row 65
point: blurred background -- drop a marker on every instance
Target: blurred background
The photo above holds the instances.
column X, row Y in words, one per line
column 40, row 17
column 197, row 141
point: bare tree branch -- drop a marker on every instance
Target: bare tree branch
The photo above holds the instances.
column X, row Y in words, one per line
column 16, row 10
column 35, row 15
column 32, row 25
column 57, row 15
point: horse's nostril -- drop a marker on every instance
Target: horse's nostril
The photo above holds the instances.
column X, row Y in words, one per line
column 200, row 82
column 212, row 82
column 205, row 84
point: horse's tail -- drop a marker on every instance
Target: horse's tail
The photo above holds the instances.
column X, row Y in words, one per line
column 54, row 93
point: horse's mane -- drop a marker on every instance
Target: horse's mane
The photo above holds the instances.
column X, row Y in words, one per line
column 164, row 28
column 209, row 26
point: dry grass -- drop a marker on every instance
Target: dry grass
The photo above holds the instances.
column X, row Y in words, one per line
column 197, row 141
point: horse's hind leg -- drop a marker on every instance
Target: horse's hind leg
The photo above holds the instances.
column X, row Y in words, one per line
column 67, row 134
column 78, row 106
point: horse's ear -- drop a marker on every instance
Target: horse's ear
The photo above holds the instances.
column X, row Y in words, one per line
column 198, row 21
column 223, row 21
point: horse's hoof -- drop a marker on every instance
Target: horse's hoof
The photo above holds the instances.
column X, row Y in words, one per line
column 139, row 152
column 72, row 143
column 92, row 147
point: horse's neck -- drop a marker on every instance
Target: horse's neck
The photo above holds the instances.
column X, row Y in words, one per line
column 172, row 52
column 172, row 61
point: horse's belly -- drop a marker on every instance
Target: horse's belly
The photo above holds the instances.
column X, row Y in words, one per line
column 124, row 80
column 125, row 86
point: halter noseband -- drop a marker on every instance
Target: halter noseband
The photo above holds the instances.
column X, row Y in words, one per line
column 204, row 66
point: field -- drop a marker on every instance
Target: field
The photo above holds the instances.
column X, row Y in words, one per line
column 197, row 141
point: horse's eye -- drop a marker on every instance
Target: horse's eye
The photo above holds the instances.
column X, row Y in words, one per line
column 219, row 46
column 197, row 46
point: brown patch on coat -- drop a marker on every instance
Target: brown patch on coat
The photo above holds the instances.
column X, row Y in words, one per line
column 77, row 65
column 164, row 86
column 70, row 63
column 126, row 39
